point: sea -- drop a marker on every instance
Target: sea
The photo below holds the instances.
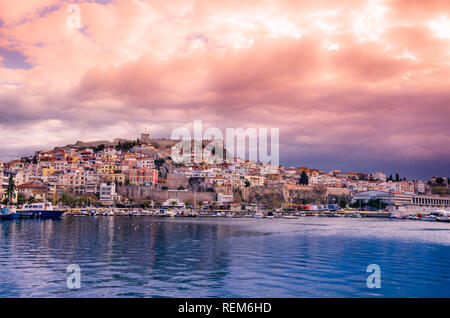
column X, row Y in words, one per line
column 144, row 256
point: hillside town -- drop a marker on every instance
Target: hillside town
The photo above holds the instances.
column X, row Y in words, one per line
column 141, row 172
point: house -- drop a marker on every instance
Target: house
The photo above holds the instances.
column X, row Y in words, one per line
column 108, row 194
column 143, row 176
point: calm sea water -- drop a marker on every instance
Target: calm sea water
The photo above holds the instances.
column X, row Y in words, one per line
column 153, row 257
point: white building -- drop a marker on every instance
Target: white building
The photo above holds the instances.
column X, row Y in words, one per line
column 108, row 193
column 146, row 163
column 224, row 198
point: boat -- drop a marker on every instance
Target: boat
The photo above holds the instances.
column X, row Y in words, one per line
column 289, row 217
column 258, row 215
column 445, row 219
column 164, row 213
column 442, row 215
column 42, row 210
column 414, row 217
column 430, row 217
column 8, row 214
column 270, row 215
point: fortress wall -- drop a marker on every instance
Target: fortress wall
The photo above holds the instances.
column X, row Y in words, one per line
column 141, row 193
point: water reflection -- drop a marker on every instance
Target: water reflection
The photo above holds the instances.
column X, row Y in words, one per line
column 150, row 257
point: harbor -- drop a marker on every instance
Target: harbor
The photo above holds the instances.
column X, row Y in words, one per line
column 47, row 210
column 223, row 257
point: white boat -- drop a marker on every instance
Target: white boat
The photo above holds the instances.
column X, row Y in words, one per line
column 168, row 213
column 429, row 218
column 270, row 215
column 289, row 217
column 258, row 215
column 43, row 210
column 445, row 219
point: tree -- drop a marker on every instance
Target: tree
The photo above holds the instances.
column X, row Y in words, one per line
column 10, row 189
column 304, row 180
column 358, row 203
column 99, row 148
column 247, row 183
column 173, row 203
column 440, row 181
column 390, row 178
column 397, row 177
column 21, row 199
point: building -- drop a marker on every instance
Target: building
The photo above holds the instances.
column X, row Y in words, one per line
column 406, row 200
column 143, row 176
column 38, row 191
column 108, row 194
column 146, row 163
column 224, row 198
column 118, row 178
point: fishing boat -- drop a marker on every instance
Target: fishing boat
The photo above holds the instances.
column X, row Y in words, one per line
column 42, row 210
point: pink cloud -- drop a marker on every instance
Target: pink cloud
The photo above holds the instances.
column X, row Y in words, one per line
column 339, row 76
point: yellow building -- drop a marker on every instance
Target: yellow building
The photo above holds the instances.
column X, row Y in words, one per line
column 107, row 168
column 47, row 171
column 118, row 178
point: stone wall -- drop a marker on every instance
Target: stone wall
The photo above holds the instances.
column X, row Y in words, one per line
column 141, row 194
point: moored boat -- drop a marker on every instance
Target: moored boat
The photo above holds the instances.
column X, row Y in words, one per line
column 7, row 214
column 430, row 217
column 270, row 215
column 42, row 210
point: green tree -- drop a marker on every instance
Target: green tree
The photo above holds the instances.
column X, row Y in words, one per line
column 247, row 183
column 397, row 177
column 31, row 199
column 342, row 203
column 11, row 188
column 357, row 204
column 304, row 179
column 21, row 199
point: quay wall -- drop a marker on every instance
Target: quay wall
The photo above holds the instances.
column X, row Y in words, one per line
column 142, row 193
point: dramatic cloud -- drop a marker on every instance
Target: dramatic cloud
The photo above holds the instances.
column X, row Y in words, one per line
column 357, row 85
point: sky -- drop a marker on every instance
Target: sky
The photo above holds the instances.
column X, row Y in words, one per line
column 356, row 85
